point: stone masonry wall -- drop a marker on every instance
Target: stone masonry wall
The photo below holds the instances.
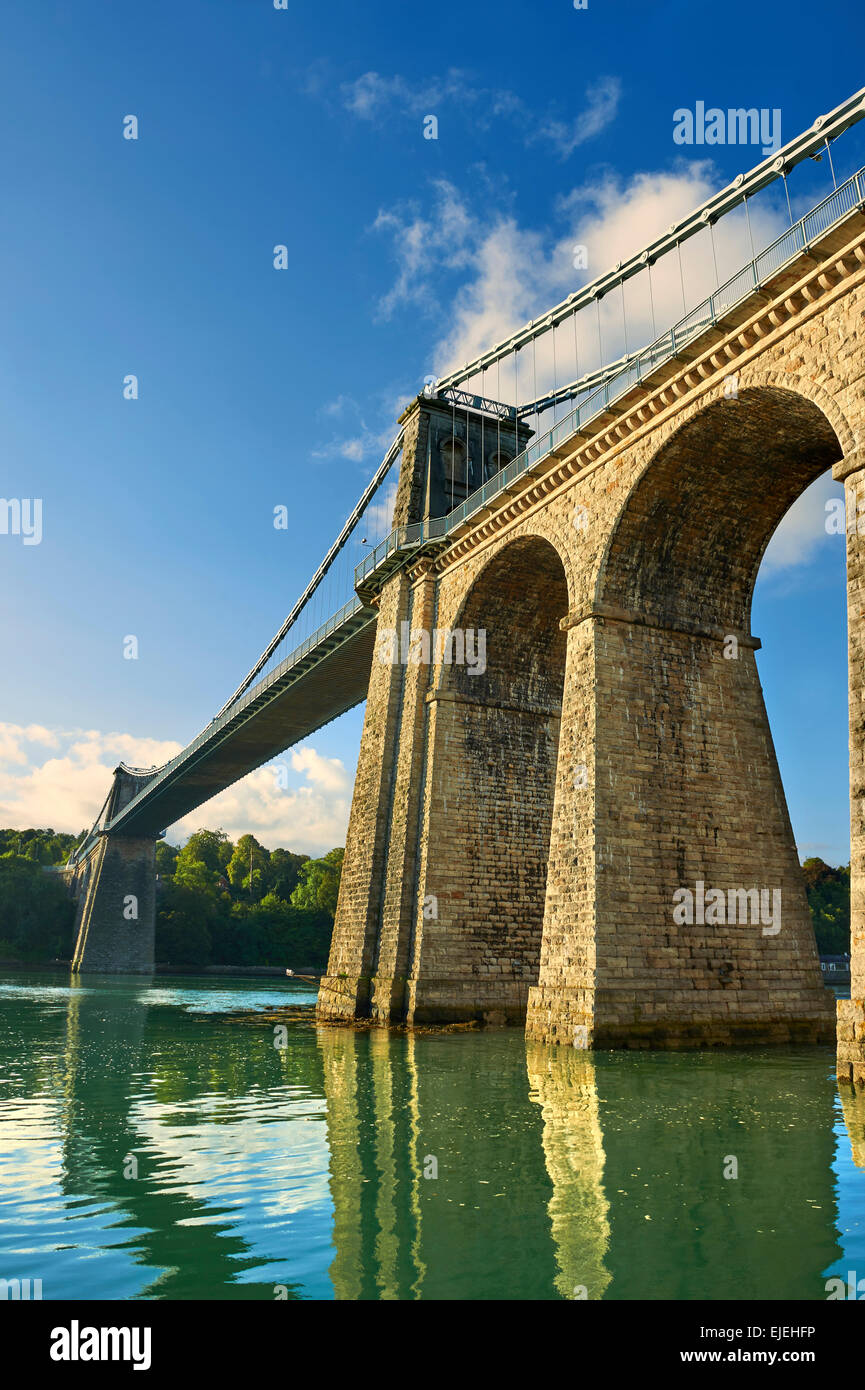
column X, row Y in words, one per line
column 109, row 938
column 493, row 745
column 689, row 792
column 851, row 1012
column 393, row 947
column 345, row 991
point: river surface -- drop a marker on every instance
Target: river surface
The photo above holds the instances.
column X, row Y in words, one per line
column 151, row 1148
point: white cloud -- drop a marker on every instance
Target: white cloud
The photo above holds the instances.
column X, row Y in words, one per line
column 803, row 528
column 370, row 94
column 14, row 736
column 360, row 441
column 372, row 97
column 484, row 276
column 65, row 791
column 305, row 808
column 307, row 813
column 352, row 449
column 602, row 103
column 515, row 276
column 445, row 239
column 328, row 774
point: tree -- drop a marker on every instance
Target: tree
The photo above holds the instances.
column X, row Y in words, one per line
column 212, row 848
column 166, row 858
column 828, row 892
column 319, row 883
column 183, row 934
column 283, row 872
column 248, row 857
column 202, row 862
column 191, row 873
column 36, row 913
column 39, row 846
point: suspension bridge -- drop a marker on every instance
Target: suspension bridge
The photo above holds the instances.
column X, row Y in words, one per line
column 530, row 427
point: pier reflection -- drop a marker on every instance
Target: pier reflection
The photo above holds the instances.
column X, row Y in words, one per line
column 853, row 1109
column 437, row 1170
column 609, row 1175
column 564, row 1084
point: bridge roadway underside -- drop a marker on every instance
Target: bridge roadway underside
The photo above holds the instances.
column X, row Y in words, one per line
column 286, row 710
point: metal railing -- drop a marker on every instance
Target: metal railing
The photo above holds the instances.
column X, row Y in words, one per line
column 756, row 272
column 775, row 166
column 400, row 540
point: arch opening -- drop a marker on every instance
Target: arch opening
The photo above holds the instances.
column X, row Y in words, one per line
column 690, row 539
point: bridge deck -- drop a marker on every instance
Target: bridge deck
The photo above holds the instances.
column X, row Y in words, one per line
column 314, row 685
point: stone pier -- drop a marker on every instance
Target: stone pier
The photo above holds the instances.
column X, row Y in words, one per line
column 115, row 888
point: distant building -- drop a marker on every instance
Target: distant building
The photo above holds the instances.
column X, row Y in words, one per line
column 836, row 969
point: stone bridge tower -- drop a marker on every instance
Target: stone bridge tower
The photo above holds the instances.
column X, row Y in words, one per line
column 114, row 885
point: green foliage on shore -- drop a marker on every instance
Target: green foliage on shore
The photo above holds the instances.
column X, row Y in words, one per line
column 38, row 846
column 221, row 903
column 829, row 900
column 218, row 903
column 318, row 887
column 37, row 915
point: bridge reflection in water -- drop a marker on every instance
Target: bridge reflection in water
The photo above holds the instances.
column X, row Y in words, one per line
column 396, row 1106
column 564, row 1084
column 601, row 1177
column 853, row 1110
column 305, row 1168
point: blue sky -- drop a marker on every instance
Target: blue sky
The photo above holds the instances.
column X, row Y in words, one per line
column 155, row 257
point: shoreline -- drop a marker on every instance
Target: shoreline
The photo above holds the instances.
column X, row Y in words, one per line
column 303, row 974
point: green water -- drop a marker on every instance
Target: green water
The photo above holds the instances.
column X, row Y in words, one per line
column 300, row 1171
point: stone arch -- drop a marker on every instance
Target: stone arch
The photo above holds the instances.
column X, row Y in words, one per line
column 493, row 747
column 459, row 584
column 691, row 535
column 825, row 396
column 521, row 591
